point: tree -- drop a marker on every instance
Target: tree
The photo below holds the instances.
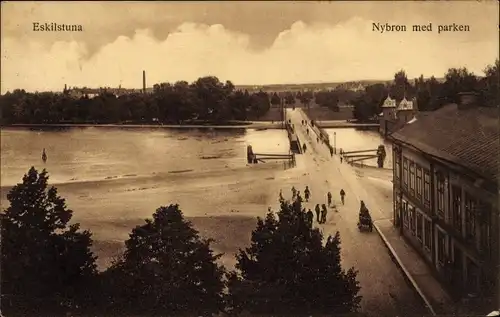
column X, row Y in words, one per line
column 491, row 84
column 289, row 98
column 47, row 265
column 275, row 99
column 167, row 269
column 287, row 270
column 401, row 86
column 458, row 80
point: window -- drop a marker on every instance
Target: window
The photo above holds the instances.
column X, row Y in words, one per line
column 456, row 205
column 419, row 182
column 405, row 213
column 441, row 247
column 472, row 276
column 428, row 234
column 397, row 165
column 485, row 229
column 397, row 210
column 470, row 217
column 440, row 195
column 412, row 178
column 419, row 226
column 411, row 215
column 427, row 188
column 405, row 172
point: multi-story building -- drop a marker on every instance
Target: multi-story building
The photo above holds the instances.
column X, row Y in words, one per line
column 446, row 194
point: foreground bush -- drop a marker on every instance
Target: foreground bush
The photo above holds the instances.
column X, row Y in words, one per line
column 47, row 266
column 167, row 270
column 287, row 270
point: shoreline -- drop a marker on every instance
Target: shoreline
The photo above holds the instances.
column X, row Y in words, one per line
column 249, row 125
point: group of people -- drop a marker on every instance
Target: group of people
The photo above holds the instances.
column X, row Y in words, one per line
column 321, row 211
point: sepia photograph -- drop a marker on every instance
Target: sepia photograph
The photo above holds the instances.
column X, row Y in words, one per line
column 250, row 158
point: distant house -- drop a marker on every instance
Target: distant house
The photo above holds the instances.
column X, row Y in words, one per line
column 446, row 171
column 76, row 92
column 394, row 115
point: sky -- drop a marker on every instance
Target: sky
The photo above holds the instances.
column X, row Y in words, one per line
column 248, row 43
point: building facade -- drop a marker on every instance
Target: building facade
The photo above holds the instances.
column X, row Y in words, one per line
column 446, row 196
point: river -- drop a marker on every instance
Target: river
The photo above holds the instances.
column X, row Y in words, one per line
column 115, row 178
column 349, row 139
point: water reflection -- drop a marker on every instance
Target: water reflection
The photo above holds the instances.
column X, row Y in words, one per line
column 81, row 154
column 353, row 140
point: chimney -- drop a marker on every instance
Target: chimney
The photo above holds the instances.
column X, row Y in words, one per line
column 468, row 100
column 143, row 81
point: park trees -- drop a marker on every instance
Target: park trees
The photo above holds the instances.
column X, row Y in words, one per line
column 47, row 265
column 288, row 269
column 275, row 99
column 167, row 269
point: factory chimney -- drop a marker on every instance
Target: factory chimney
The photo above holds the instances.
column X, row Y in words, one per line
column 143, row 81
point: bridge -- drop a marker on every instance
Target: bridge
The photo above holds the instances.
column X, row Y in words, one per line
column 355, row 156
column 262, row 157
column 344, row 124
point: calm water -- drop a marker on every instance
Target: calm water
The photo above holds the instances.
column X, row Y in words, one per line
column 354, row 140
column 97, row 153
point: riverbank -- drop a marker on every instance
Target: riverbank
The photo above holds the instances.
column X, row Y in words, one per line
column 222, row 204
column 241, row 125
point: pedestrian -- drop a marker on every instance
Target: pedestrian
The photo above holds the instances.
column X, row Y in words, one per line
column 329, row 198
column 294, row 192
column 307, row 193
column 342, row 195
column 310, row 217
column 317, row 213
column 331, row 153
column 299, row 198
column 281, row 196
column 44, row 156
column 307, row 130
column 341, row 159
column 324, row 212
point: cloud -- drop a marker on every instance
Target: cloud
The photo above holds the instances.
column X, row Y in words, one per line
column 302, row 53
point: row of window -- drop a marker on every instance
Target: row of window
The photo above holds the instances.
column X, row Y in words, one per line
column 463, row 215
column 473, row 213
column 419, row 225
column 416, row 179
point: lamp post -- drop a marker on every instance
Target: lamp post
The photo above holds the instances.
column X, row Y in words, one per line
column 334, row 142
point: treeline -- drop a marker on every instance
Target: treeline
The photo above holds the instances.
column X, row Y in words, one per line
column 167, row 269
column 206, row 99
column 429, row 94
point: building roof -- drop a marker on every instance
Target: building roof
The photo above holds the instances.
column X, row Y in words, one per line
column 389, row 103
column 405, row 104
column 466, row 137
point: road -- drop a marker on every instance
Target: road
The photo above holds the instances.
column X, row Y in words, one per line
column 385, row 291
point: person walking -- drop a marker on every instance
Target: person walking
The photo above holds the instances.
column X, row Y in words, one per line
column 294, row 192
column 307, row 193
column 310, row 217
column 299, row 198
column 342, row 195
column 341, row 158
column 44, row 156
column 324, row 212
column 331, row 153
column 317, row 213
column 329, row 198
